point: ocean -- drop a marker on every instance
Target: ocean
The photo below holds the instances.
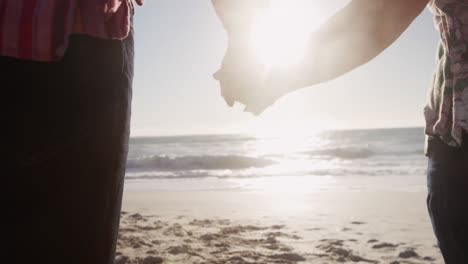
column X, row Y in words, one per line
column 351, row 160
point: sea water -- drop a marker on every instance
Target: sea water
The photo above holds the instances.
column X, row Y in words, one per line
column 352, row 160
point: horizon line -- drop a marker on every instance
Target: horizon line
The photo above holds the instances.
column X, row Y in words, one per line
column 250, row 134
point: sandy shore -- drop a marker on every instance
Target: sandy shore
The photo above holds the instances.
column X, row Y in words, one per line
column 274, row 227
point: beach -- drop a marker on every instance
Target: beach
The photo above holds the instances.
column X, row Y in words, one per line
column 258, row 227
column 332, row 197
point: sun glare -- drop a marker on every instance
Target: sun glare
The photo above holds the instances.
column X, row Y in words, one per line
column 283, row 127
column 280, row 34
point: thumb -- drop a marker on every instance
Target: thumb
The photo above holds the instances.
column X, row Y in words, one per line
column 217, row 75
column 229, row 101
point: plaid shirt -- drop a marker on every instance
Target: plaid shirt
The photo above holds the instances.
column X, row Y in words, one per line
column 39, row 29
column 447, row 109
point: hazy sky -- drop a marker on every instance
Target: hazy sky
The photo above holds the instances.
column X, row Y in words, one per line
column 179, row 44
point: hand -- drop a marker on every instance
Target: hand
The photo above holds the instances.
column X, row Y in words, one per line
column 239, row 74
column 243, row 79
column 274, row 85
column 110, row 7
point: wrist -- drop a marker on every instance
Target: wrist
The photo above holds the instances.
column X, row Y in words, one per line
column 238, row 16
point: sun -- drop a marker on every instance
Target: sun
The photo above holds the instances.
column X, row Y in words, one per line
column 280, row 35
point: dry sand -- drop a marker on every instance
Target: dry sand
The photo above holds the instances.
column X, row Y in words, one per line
column 243, row 227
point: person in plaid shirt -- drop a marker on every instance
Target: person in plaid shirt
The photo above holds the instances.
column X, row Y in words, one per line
column 352, row 37
column 67, row 70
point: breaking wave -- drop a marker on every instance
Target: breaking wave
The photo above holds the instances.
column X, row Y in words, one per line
column 188, row 163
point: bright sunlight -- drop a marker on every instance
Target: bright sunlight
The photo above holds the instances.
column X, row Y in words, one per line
column 281, row 33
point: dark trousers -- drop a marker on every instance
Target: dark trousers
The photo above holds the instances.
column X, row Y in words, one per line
column 67, row 129
column 448, row 198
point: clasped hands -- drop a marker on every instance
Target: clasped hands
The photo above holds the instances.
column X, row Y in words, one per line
column 244, row 79
column 242, row 76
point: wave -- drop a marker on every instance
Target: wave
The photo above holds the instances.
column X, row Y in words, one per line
column 342, row 153
column 349, row 153
column 187, row 163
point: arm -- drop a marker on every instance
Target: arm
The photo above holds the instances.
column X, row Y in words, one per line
column 237, row 18
column 353, row 37
column 236, row 15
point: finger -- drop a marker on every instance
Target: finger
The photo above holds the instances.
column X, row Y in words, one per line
column 256, row 111
column 226, row 88
column 217, row 75
column 228, row 98
column 257, row 105
column 229, row 101
column 248, row 109
column 140, row 2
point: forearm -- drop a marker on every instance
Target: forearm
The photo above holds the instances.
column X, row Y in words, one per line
column 354, row 36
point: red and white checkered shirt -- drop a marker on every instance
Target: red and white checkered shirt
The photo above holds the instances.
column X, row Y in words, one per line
column 39, row 29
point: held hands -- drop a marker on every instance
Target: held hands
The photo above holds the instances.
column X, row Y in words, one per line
column 244, row 79
column 242, row 76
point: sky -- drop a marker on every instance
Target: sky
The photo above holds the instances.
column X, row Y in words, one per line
column 179, row 44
